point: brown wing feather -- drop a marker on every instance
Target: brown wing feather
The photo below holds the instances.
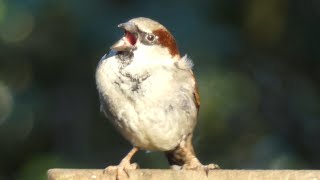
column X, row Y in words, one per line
column 196, row 93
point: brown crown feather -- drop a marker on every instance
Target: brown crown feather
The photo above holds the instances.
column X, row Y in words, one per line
column 167, row 40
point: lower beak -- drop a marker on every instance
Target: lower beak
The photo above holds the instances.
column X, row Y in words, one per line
column 121, row 45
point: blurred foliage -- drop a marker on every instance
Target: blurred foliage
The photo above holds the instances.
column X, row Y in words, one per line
column 257, row 63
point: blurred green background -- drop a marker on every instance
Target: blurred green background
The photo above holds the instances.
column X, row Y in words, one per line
column 257, row 64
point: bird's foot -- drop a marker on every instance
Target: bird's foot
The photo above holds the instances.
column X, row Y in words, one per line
column 121, row 170
column 194, row 165
column 200, row 166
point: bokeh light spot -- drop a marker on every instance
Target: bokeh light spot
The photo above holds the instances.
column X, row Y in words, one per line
column 3, row 10
column 266, row 21
column 26, row 126
column 17, row 28
column 6, row 103
column 36, row 167
column 225, row 94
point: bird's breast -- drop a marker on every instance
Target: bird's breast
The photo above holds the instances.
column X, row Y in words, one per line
column 146, row 105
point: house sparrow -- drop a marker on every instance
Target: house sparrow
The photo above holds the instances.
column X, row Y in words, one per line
column 149, row 93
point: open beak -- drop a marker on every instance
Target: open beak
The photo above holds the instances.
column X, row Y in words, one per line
column 128, row 41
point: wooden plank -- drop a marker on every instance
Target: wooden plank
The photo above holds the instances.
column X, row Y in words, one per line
column 156, row 174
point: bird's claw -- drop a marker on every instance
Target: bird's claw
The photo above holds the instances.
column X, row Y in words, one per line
column 209, row 167
column 206, row 168
column 121, row 170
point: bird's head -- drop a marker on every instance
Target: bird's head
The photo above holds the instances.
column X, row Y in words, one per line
column 147, row 35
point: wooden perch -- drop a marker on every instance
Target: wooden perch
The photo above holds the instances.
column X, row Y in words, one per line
column 156, row 174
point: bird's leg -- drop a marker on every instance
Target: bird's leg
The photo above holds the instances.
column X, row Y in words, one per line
column 184, row 156
column 191, row 162
column 121, row 169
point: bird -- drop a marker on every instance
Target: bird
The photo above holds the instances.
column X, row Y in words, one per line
column 149, row 93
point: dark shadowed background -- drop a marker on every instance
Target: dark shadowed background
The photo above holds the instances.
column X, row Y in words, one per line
column 257, row 64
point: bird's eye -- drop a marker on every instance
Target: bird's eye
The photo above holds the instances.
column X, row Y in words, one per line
column 150, row 37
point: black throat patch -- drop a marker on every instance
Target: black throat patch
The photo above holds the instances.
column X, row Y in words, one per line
column 125, row 57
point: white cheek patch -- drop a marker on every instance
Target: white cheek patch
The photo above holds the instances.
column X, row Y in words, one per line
column 154, row 54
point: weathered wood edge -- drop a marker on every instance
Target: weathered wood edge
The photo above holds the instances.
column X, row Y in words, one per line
column 155, row 174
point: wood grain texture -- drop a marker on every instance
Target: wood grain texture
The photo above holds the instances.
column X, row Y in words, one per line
column 156, row 174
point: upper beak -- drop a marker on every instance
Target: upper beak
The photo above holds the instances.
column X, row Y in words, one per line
column 124, row 44
column 128, row 26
